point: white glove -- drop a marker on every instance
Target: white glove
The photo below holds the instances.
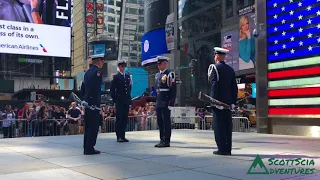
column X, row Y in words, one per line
column 219, row 107
column 232, row 106
column 170, row 108
column 83, row 103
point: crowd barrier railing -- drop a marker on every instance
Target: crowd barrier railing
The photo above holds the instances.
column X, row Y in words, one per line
column 187, row 122
column 32, row 128
column 57, row 127
column 135, row 123
column 239, row 124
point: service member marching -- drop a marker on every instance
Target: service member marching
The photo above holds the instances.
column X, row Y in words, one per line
column 121, row 96
column 223, row 88
column 91, row 91
column 166, row 95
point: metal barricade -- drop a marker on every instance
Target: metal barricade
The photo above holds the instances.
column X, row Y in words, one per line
column 207, row 123
column 109, row 125
column 239, row 124
column 151, row 123
column 186, row 122
column 14, row 128
column 56, row 127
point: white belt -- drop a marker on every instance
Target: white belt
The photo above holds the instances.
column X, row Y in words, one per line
column 164, row 90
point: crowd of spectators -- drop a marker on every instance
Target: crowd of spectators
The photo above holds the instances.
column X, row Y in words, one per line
column 51, row 120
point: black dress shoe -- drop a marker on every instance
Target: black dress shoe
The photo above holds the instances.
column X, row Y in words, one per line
column 125, row 140
column 222, row 153
column 121, row 140
column 92, row 152
column 217, row 152
column 164, row 145
column 157, row 145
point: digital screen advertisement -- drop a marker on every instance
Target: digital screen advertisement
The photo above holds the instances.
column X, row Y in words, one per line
column 155, row 14
column 247, row 47
column 34, row 39
column 230, row 41
column 153, row 44
column 240, row 42
column 293, row 58
column 98, row 49
column 36, row 27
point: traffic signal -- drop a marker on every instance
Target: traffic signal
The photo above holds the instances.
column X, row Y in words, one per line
column 192, row 72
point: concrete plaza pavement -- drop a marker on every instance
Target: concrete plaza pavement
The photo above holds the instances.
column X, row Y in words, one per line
column 189, row 157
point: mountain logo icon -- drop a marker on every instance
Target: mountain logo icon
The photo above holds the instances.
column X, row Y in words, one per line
column 258, row 167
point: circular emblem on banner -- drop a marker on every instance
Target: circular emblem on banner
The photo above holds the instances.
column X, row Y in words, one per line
column 146, row 46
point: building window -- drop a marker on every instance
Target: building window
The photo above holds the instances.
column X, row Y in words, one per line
column 111, row 2
column 187, row 7
column 131, row 11
column 250, row 2
column 118, row 12
column 201, row 23
column 118, row 4
column 141, row 11
column 134, row 48
column 133, row 1
column 229, row 8
column 240, row 4
column 141, row 28
column 110, row 10
column 111, row 28
column 141, row 19
column 111, row 19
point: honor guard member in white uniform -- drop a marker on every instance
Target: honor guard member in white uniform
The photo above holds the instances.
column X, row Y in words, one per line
column 91, row 91
column 166, row 95
column 121, row 96
column 224, row 88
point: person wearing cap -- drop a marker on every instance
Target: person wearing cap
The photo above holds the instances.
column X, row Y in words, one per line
column 91, row 92
column 121, row 96
column 166, row 95
column 223, row 88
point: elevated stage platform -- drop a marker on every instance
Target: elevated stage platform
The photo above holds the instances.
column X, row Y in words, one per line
column 189, row 158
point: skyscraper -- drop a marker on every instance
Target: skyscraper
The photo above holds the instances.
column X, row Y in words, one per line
column 131, row 32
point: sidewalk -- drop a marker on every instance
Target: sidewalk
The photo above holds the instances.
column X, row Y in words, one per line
column 189, row 158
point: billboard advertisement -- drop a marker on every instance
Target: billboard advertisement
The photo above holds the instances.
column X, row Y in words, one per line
column 170, row 31
column 153, row 44
column 99, row 49
column 108, row 48
column 241, row 42
column 247, row 48
column 229, row 41
column 36, row 27
column 155, row 14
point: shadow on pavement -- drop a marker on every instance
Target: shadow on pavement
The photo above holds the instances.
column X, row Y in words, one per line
column 261, row 142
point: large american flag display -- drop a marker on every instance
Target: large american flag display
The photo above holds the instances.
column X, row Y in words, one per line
column 293, row 30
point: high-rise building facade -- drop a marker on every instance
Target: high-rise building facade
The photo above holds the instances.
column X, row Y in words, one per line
column 96, row 30
column 131, row 32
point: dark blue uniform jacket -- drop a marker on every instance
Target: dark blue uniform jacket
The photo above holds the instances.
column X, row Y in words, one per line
column 121, row 88
column 225, row 89
column 91, row 87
